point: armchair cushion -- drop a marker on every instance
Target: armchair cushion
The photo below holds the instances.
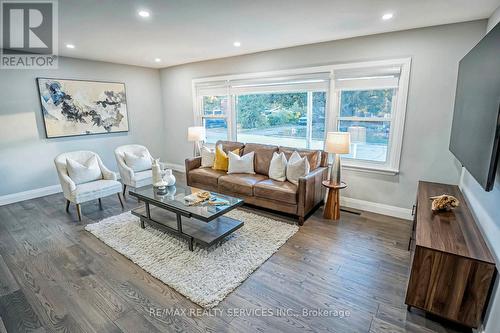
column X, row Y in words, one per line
column 84, row 172
column 94, row 190
column 138, row 162
column 142, row 178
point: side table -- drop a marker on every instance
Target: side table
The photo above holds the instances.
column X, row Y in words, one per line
column 332, row 205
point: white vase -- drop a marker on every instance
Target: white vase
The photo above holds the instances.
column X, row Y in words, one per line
column 168, row 177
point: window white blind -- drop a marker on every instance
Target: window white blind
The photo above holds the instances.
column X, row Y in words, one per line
column 214, row 88
column 367, row 78
column 297, row 83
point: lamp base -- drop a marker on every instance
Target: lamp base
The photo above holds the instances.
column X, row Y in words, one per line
column 335, row 170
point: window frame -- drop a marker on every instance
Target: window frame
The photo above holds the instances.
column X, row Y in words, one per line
column 391, row 166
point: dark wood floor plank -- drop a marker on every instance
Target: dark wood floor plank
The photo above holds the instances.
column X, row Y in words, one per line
column 17, row 314
column 7, row 282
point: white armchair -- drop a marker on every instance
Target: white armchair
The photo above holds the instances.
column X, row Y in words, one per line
column 79, row 193
column 128, row 176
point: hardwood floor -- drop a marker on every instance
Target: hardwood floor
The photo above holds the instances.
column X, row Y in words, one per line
column 55, row 276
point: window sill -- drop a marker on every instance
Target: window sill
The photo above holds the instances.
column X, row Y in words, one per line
column 371, row 169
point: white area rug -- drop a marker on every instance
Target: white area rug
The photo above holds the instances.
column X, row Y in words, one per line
column 205, row 276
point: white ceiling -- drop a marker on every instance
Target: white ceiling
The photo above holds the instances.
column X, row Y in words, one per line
column 182, row 31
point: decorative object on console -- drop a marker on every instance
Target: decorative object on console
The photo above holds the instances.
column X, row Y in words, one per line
column 240, row 164
column 337, row 143
column 196, row 134
column 444, row 202
column 296, row 167
column 77, row 107
column 207, row 157
column 277, row 167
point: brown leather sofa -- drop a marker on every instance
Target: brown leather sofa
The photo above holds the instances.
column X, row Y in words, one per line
column 259, row 189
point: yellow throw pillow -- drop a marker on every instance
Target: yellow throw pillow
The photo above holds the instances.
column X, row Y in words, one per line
column 221, row 161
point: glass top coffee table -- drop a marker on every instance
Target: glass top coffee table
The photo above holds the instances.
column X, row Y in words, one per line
column 203, row 223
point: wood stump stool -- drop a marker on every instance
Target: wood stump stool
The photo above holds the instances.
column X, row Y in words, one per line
column 332, row 205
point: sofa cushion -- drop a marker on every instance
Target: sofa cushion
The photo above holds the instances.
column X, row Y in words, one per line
column 228, row 146
column 206, row 176
column 240, row 164
column 276, row 190
column 239, row 183
column 263, row 156
column 313, row 156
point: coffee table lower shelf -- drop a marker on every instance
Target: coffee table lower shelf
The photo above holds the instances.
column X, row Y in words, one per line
column 203, row 233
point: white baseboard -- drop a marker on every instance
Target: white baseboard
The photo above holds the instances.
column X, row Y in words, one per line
column 374, row 207
column 31, row 194
column 175, row 167
column 369, row 206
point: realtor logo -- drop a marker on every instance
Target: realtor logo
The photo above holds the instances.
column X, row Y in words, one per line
column 29, row 34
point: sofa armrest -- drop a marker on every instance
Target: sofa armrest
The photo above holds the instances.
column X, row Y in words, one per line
column 193, row 163
column 311, row 191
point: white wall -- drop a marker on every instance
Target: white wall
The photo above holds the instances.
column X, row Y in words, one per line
column 26, row 156
column 435, row 53
column 486, row 208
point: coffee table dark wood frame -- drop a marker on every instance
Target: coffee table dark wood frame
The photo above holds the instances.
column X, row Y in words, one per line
column 193, row 229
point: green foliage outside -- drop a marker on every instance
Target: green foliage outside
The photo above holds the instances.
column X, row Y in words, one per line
column 366, row 103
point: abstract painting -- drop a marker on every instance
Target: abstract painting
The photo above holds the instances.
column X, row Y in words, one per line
column 76, row 107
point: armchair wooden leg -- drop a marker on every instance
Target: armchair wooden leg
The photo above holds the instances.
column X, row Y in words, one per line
column 124, row 190
column 120, row 198
column 100, row 203
column 79, row 211
column 67, row 206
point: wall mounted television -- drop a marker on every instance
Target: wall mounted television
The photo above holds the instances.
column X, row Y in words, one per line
column 475, row 132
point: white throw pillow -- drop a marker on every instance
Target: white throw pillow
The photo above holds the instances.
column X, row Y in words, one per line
column 296, row 167
column 139, row 162
column 277, row 167
column 83, row 173
column 240, row 164
column 207, row 157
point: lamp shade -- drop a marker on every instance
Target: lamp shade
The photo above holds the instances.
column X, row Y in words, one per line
column 196, row 133
column 338, row 142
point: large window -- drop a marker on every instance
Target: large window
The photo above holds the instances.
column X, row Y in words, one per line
column 296, row 108
column 282, row 118
column 367, row 116
column 214, row 117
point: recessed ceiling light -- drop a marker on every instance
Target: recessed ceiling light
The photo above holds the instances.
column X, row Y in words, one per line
column 237, row 44
column 387, row 16
column 157, row 59
column 144, row 13
column 70, row 46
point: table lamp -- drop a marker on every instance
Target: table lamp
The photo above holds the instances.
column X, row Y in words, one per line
column 337, row 143
column 196, row 134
